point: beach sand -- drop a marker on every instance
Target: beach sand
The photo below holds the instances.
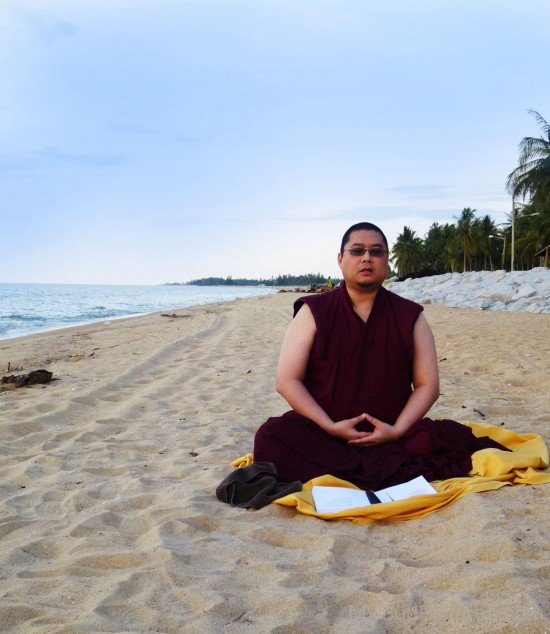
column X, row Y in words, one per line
column 109, row 522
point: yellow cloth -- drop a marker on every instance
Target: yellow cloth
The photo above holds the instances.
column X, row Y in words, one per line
column 491, row 469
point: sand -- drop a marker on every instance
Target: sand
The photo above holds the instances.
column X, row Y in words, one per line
column 109, row 521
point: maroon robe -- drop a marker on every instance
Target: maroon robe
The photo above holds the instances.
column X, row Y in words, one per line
column 357, row 367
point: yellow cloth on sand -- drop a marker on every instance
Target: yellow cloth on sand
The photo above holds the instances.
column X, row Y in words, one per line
column 491, row 469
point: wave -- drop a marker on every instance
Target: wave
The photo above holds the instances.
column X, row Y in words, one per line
column 20, row 317
column 29, row 308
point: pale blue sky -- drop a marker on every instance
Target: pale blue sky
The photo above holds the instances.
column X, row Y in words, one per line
column 143, row 142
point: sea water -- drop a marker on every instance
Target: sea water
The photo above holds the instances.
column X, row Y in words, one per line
column 30, row 308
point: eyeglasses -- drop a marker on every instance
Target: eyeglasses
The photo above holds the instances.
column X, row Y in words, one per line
column 376, row 252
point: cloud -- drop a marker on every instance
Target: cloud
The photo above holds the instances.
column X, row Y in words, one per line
column 367, row 213
column 43, row 29
column 50, row 157
column 97, row 160
column 167, row 135
column 421, row 191
column 134, row 129
column 52, row 33
column 18, row 164
column 46, row 30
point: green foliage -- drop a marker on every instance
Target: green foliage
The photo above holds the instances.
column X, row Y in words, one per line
column 464, row 228
column 532, row 231
column 439, row 254
column 531, row 179
column 473, row 243
column 408, row 252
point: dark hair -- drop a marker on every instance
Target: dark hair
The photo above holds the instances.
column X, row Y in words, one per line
column 362, row 226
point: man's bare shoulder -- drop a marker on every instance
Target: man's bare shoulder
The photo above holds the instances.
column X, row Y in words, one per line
column 303, row 319
column 318, row 300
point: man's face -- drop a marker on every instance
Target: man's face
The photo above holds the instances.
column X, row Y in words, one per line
column 364, row 271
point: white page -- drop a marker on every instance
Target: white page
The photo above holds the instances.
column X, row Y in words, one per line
column 418, row 486
column 334, row 499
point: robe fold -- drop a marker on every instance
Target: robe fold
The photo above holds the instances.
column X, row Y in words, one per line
column 357, row 367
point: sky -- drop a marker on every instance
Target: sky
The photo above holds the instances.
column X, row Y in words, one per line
column 144, row 142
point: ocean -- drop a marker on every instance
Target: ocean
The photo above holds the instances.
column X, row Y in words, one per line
column 31, row 308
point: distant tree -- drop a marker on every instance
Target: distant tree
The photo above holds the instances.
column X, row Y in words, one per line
column 452, row 251
column 279, row 280
column 482, row 229
column 464, row 227
column 533, row 232
column 435, row 242
column 408, row 252
column 488, row 229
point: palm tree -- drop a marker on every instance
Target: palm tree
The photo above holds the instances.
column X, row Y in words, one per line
column 451, row 254
column 464, row 227
column 434, row 243
column 500, row 243
column 408, row 252
column 533, row 229
column 486, row 228
column 476, row 246
column 531, row 179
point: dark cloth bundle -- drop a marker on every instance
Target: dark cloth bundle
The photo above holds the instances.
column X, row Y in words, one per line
column 254, row 486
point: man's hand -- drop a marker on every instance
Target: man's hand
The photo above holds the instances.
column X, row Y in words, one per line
column 381, row 434
column 346, row 429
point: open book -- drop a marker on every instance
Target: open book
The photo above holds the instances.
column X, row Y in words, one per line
column 335, row 499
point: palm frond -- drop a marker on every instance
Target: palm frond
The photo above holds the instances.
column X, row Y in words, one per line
column 531, row 178
column 533, row 147
column 545, row 126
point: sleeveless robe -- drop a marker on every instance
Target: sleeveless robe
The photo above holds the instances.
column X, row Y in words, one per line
column 357, row 367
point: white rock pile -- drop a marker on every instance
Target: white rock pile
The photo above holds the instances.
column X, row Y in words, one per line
column 527, row 291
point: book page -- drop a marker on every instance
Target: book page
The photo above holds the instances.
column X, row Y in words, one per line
column 418, row 486
column 334, row 499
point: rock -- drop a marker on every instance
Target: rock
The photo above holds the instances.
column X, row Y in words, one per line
column 535, row 307
column 496, row 276
column 499, row 292
column 486, row 290
column 525, row 290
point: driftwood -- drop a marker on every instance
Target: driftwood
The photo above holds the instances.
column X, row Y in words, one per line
column 173, row 315
column 32, row 378
column 319, row 288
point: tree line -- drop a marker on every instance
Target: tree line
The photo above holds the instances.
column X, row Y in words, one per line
column 279, row 280
column 476, row 242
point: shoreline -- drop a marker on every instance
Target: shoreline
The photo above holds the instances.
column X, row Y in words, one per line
column 110, row 522
column 101, row 326
column 520, row 291
column 87, row 321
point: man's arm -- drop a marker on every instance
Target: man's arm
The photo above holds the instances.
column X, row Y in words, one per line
column 425, row 392
column 293, row 362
